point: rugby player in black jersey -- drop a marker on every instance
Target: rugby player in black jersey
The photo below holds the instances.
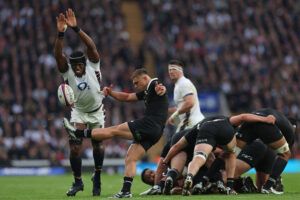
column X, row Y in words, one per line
column 279, row 137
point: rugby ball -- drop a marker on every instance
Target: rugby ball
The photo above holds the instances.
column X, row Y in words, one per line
column 65, row 95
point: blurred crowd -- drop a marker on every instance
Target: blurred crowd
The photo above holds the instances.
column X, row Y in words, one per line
column 249, row 50
column 30, row 115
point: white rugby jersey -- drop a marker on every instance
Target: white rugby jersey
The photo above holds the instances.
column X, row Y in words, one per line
column 184, row 87
column 87, row 91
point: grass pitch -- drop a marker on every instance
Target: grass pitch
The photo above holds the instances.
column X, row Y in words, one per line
column 55, row 187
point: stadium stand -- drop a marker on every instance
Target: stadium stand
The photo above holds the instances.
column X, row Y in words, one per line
column 249, row 51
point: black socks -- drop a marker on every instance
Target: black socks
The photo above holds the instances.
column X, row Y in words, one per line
column 173, row 174
column 86, row 133
column 277, row 169
column 76, row 166
column 127, row 184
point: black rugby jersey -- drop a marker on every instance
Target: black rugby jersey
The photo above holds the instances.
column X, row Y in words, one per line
column 156, row 106
column 281, row 122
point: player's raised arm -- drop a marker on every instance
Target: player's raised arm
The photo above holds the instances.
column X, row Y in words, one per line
column 120, row 96
column 58, row 45
column 92, row 52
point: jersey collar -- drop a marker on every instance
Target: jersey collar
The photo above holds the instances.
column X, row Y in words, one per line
column 151, row 82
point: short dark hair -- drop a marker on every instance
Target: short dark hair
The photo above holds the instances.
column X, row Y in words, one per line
column 77, row 57
column 143, row 174
column 176, row 62
column 138, row 72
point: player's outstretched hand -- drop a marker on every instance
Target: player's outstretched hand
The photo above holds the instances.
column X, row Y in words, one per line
column 271, row 119
column 107, row 90
column 61, row 23
column 70, row 18
column 160, row 89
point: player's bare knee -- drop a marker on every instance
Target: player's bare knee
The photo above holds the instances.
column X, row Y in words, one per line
column 237, row 150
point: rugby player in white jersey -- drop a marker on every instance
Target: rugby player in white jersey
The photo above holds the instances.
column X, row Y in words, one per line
column 186, row 113
column 84, row 76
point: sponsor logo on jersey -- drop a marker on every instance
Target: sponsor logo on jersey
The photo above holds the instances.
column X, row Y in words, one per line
column 204, row 140
column 82, row 86
column 246, row 156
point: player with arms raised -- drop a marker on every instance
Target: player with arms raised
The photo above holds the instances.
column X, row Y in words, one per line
column 83, row 75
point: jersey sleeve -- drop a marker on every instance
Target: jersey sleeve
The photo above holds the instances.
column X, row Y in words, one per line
column 186, row 88
column 140, row 95
column 65, row 75
column 95, row 66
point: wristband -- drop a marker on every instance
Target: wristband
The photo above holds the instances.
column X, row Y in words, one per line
column 61, row 35
column 76, row 29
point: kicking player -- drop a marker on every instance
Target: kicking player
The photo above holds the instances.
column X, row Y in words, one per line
column 144, row 132
column 279, row 137
column 83, row 75
column 213, row 131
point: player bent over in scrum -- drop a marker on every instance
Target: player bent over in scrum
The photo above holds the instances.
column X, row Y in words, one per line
column 213, row 131
column 280, row 137
column 144, row 132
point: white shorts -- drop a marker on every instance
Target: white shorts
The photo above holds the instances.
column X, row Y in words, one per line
column 91, row 119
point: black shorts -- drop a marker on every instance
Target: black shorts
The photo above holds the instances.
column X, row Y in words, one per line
column 253, row 153
column 146, row 131
column 215, row 133
column 268, row 133
column 189, row 149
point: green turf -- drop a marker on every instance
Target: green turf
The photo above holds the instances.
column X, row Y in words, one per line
column 54, row 187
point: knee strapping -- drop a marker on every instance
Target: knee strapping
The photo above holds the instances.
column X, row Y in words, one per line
column 237, row 150
column 200, row 154
column 284, row 148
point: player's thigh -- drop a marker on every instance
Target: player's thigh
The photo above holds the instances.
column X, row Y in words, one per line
column 121, row 130
column 203, row 147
